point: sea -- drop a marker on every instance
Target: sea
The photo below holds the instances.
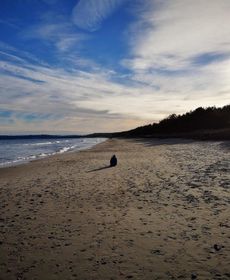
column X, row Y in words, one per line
column 18, row 151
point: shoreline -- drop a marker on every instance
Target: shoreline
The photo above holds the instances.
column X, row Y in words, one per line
column 161, row 213
column 59, row 153
column 169, row 139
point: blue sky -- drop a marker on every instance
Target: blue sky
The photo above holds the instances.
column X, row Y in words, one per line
column 109, row 65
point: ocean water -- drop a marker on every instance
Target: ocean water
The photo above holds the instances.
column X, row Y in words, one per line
column 17, row 151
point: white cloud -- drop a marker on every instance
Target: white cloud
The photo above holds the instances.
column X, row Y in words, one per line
column 166, row 44
column 74, row 100
column 170, row 33
column 88, row 14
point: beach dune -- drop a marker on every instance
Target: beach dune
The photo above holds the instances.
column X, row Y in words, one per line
column 161, row 213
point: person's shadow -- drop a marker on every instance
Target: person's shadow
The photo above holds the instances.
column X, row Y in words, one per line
column 101, row 168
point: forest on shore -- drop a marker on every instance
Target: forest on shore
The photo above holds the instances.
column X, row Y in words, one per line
column 201, row 123
column 209, row 123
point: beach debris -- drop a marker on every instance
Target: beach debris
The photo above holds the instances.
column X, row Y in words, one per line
column 217, row 247
column 103, row 261
column 191, row 199
column 157, row 252
column 193, row 276
column 208, row 197
column 224, row 225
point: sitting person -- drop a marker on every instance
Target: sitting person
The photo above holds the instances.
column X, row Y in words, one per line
column 113, row 161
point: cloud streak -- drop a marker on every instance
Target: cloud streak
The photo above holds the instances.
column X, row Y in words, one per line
column 75, row 100
column 88, row 15
column 60, row 34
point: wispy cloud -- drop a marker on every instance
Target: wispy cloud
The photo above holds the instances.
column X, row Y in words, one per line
column 59, row 34
column 89, row 14
column 169, row 34
column 9, row 24
column 73, row 99
column 182, row 48
column 8, row 52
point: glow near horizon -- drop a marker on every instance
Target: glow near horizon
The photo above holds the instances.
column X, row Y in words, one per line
column 110, row 65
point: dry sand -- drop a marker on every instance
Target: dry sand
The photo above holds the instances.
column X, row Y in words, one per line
column 162, row 213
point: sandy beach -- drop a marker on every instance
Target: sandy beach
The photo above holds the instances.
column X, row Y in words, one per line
column 161, row 213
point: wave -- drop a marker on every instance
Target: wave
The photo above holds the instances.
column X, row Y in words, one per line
column 63, row 150
column 26, row 152
column 66, row 149
column 44, row 143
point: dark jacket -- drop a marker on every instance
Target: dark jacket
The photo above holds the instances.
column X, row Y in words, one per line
column 113, row 161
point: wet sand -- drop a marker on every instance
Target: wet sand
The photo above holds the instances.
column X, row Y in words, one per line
column 162, row 213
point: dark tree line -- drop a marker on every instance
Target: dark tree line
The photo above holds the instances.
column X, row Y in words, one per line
column 202, row 123
column 210, row 118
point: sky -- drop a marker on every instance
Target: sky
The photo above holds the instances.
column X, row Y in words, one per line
column 82, row 66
